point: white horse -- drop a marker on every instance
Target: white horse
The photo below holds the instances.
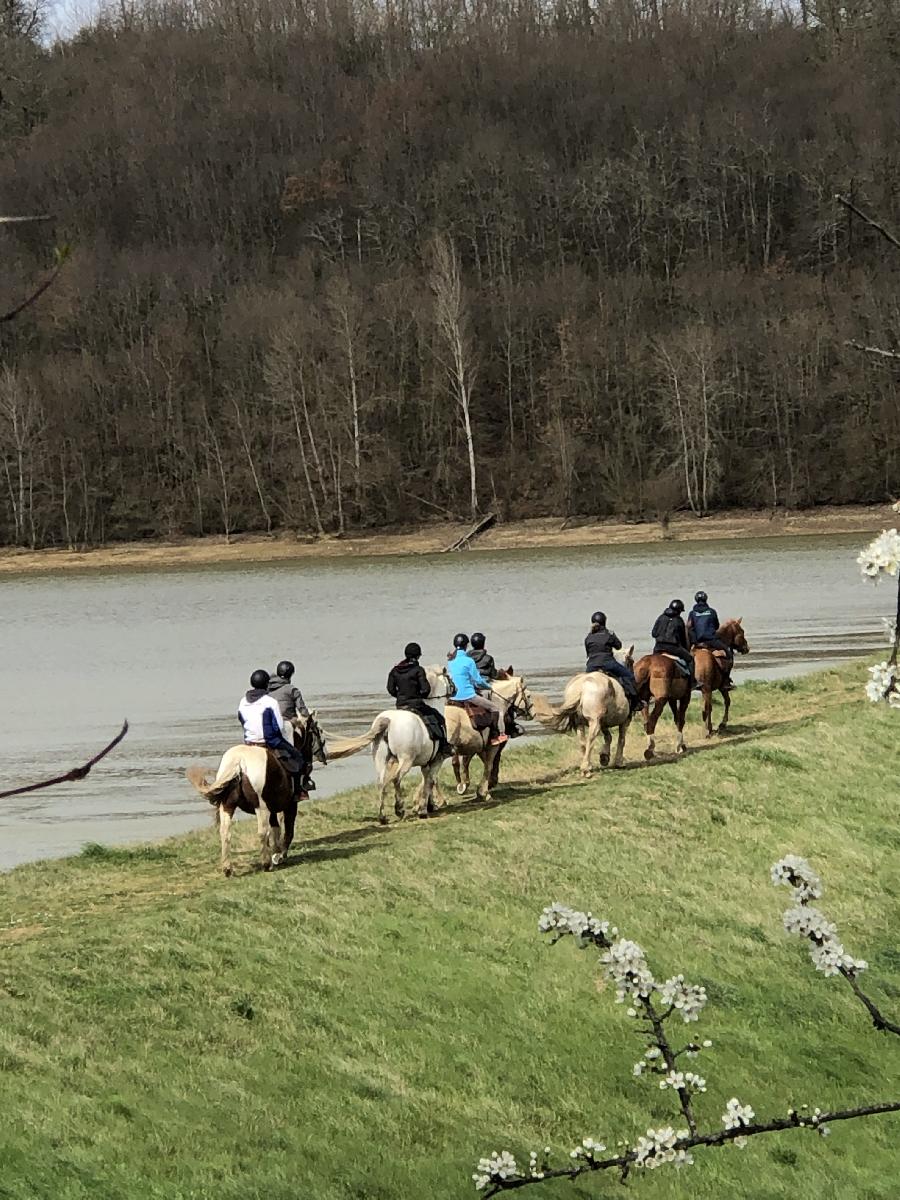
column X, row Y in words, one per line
column 594, row 703
column 400, row 742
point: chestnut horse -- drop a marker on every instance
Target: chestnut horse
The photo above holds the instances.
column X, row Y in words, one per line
column 711, row 674
column 660, row 682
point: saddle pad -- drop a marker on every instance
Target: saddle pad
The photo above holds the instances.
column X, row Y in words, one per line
column 480, row 717
column 679, row 664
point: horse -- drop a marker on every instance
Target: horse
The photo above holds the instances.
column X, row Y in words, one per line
column 660, row 681
column 401, row 741
column 469, row 743
column 252, row 779
column 711, row 675
column 595, row 703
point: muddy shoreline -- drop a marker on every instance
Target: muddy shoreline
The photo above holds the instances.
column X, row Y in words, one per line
column 435, row 538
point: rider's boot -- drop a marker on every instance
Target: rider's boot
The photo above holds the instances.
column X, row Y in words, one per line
column 498, row 738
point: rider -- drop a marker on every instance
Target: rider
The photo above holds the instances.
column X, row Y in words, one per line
column 670, row 637
column 408, row 684
column 599, row 645
column 263, row 725
column 291, row 704
column 703, row 630
column 487, row 669
column 467, row 679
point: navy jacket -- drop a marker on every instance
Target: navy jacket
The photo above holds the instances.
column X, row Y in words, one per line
column 703, row 624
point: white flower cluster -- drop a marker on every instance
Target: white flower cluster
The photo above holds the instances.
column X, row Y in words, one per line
column 589, row 1149
column 736, row 1116
column 661, row 1146
column 884, row 684
column 794, row 871
column 881, row 556
column 626, row 967
column 686, row 1080
column 687, row 998
column 534, row 1170
column 495, row 1169
column 694, row 1049
column 562, row 919
column 648, row 1062
column 890, row 629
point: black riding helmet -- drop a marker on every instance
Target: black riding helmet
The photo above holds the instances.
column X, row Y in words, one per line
column 260, row 680
column 285, row 669
column 598, row 618
column 676, row 606
column 478, row 640
column 460, row 641
column 701, row 598
column 413, row 650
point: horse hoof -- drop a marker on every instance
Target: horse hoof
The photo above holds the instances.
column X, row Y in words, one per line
column 277, row 860
column 648, row 754
column 267, row 866
column 431, row 807
column 382, row 819
column 228, row 872
column 681, row 749
column 720, row 732
column 460, row 789
column 423, row 816
column 604, row 760
column 585, row 772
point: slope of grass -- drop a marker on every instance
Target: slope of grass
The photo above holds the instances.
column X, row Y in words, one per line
column 367, row 1022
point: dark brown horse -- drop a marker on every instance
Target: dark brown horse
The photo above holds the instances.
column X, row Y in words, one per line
column 252, row 779
column 711, row 674
column 660, row 682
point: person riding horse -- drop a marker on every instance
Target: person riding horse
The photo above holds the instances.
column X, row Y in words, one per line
column 670, row 637
column 599, row 646
column 487, row 669
column 468, row 680
column 263, row 725
column 291, row 704
column 408, row 684
column 703, row 631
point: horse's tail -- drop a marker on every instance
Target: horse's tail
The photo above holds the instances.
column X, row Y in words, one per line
column 567, row 718
column 217, row 791
column 344, row 747
column 543, row 710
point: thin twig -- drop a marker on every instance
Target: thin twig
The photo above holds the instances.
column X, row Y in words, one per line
column 721, row 1137
column 70, row 776
column 886, row 233
column 29, row 300
column 878, row 1019
column 23, row 220
column 656, row 1020
column 872, row 349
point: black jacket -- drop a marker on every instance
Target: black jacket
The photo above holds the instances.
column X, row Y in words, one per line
column 487, row 668
column 670, row 628
column 599, row 648
column 408, row 683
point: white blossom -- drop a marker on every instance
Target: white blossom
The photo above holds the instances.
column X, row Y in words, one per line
column 737, row 1115
column 796, row 872
column 563, row 919
column 827, row 952
column 626, row 967
column 884, row 684
column 590, row 1148
column 687, row 998
column 495, row 1169
column 661, row 1146
column 890, row 629
column 881, row 556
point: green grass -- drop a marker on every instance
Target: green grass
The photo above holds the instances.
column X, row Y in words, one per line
column 367, row 1022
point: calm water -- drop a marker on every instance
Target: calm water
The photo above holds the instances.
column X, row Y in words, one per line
column 171, row 651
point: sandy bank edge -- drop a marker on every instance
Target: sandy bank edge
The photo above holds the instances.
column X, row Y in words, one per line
column 432, row 539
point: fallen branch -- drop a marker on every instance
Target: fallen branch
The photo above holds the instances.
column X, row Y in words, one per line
column 885, row 233
column 23, row 220
column 35, row 295
column 873, row 350
column 70, row 776
column 477, row 529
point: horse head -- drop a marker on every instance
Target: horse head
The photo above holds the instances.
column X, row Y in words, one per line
column 733, row 634
column 441, row 685
column 521, row 700
column 625, row 657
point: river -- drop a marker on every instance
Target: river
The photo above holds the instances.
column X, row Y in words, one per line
column 171, row 650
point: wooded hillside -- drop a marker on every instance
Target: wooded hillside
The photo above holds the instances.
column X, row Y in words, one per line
column 307, row 238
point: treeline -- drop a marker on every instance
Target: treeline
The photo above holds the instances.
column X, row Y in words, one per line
column 337, row 265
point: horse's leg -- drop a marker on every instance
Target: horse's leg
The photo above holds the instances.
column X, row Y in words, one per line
column 404, row 766
column 487, row 756
column 651, row 717
column 607, row 743
column 290, row 818
column 707, row 709
column 456, row 762
column 262, row 828
column 620, row 744
column 276, row 838
column 590, row 737
column 226, row 816
column 726, row 701
column 495, row 769
column 679, row 712
column 387, row 778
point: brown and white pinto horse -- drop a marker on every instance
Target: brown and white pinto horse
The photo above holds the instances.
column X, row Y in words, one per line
column 711, row 674
column 252, row 779
column 660, row 682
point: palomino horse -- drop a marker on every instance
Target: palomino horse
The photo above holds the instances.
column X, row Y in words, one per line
column 595, row 703
column 252, row 779
column 711, row 675
column 469, row 743
column 660, row 681
column 401, row 742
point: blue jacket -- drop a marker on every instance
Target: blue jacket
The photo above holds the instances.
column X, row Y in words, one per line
column 465, row 675
column 703, row 624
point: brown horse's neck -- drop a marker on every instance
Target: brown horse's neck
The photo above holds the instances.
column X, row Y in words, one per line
column 728, row 632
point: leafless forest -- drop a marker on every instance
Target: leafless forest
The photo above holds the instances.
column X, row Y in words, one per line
column 338, row 265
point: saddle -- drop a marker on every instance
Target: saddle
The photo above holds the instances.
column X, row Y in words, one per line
column 680, row 664
column 715, row 651
column 480, row 717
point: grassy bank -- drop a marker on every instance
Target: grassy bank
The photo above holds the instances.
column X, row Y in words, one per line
column 437, row 536
column 365, row 1023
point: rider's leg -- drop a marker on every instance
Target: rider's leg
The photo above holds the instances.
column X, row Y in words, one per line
column 625, row 676
column 497, row 734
